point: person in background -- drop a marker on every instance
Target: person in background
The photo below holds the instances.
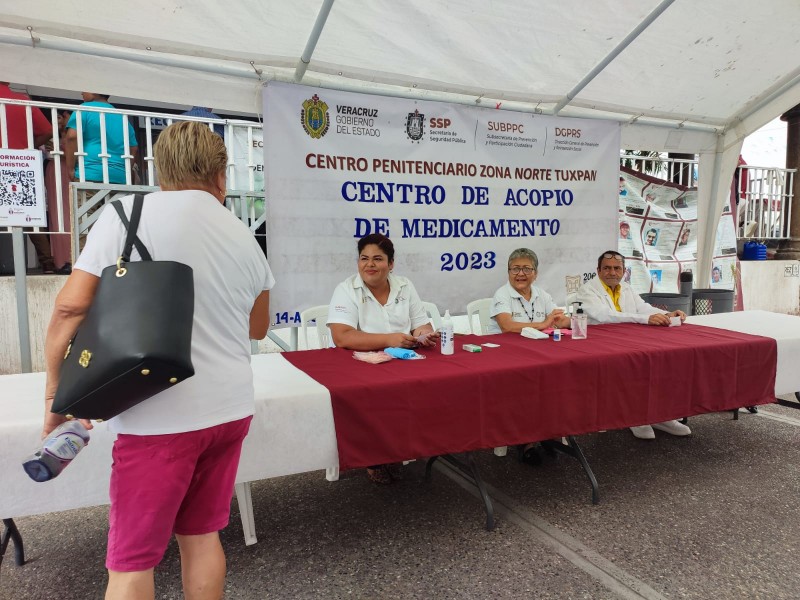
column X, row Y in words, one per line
column 607, row 299
column 518, row 304
column 17, row 121
column 17, row 139
column 204, row 112
column 176, row 454
column 92, row 142
column 376, row 309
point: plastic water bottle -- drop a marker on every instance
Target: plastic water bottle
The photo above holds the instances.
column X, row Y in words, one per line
column 57, row 451
column 446, row 334
column 579, row 324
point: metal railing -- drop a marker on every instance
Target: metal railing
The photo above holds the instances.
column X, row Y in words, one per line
column 765, row 203
column 245, row 191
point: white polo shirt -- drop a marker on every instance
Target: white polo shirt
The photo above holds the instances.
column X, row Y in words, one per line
column 508, row 300
column 353, row 304
column 230, row 272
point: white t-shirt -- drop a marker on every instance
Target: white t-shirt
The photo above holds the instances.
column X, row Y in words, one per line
column 353, row 304
column 230, row 271
column 508, row 300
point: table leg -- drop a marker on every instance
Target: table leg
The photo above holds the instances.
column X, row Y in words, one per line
column 12, row 534
column 573, row 449
column 789, row 403
column 469, row 471
column 245, row 500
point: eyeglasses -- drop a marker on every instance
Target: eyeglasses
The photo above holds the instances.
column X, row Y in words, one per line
column 613, row 255
column 518, row 270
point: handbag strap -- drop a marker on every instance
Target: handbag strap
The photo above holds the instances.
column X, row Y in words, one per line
column 132, row 239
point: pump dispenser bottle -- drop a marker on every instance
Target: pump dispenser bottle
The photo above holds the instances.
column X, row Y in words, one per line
column 580, row 324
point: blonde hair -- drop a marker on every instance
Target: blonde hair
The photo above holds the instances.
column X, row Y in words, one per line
column 189, row 153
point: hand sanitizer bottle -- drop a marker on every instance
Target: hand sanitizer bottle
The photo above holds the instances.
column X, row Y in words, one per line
column 580, row 324
column 446, row 334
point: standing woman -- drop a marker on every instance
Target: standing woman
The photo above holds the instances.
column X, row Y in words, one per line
column 176, row 454
column 376, row 309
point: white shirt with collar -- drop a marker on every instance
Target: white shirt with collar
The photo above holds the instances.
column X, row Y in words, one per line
column 354, row 304
column 508, row 300
column 599, row 307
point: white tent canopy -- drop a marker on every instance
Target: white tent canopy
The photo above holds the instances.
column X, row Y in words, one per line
column 680, row 75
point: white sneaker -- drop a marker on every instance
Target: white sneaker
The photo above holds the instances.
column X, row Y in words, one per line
column 673, row 427
column 644, row 432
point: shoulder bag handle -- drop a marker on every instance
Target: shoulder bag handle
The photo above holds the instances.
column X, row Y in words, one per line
column 132, row 239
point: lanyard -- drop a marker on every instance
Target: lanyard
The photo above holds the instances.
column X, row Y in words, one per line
column 527, row 314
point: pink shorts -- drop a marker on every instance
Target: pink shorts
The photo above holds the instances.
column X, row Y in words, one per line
column 163, row 484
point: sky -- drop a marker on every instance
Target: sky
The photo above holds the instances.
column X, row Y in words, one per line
column 767, row 146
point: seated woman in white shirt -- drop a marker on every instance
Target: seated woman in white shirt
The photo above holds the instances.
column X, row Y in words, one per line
column 376, row 309
column 519, row 303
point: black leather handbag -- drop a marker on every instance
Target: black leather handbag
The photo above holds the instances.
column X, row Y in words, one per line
column 136, row 338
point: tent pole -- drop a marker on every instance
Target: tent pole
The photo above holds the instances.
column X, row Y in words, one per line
column 313, row 38
column 644, row 24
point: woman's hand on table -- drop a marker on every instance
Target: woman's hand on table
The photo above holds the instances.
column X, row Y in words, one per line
column 401, row 340
column 428, row 339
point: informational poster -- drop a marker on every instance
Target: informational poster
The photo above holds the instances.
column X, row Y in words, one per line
column 22, row 199
column 457, row 189
column 658, row 235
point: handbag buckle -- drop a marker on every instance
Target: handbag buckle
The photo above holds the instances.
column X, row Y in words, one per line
column 121, row 271
column 86, row 356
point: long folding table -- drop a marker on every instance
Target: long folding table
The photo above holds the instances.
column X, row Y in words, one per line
column 523, row 391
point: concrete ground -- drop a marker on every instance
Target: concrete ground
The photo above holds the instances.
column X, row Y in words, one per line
column 715, row 515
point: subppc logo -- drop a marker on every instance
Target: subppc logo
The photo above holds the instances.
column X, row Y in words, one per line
column 415, row 126
column 314, row 117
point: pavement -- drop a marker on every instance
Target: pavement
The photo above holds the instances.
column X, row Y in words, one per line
column 715, row 515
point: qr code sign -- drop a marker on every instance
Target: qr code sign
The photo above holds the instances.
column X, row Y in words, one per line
column 17, row 188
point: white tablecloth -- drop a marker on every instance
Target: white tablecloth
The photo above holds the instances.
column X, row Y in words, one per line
column 292, row 432
column 785, row 329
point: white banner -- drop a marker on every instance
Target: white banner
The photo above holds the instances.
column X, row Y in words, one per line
column 456, row 188
column 22, row 200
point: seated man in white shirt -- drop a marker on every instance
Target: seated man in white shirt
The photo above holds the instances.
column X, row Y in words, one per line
column 608, row 299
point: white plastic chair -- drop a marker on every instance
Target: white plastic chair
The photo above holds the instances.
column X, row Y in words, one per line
column 318, row 314
column 433, row 312
column 481, row 308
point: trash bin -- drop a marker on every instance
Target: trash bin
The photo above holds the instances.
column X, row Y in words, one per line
column 669, row 302
column 712, row 301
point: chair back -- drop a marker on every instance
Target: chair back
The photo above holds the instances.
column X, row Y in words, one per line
column 318, row 314
column 433, row 312
column 481, row 308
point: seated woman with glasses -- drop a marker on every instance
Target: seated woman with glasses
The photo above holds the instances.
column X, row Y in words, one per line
column 376, row 309
column 519, row 303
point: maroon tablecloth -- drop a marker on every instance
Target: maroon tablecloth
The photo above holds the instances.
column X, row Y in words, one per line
column 528, row 390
